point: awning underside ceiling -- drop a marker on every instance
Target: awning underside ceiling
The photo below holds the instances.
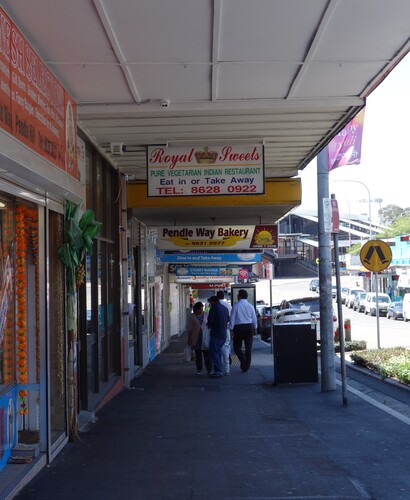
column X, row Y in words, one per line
column 285, row 73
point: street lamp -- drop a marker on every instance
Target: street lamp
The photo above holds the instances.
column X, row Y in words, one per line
column 374, row 200
column 369, row 200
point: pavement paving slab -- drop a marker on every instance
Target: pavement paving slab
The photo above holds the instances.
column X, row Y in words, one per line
column 176, row 435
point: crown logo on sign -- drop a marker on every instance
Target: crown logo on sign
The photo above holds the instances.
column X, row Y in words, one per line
column 206, row 157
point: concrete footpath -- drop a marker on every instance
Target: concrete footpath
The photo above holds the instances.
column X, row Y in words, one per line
column 176, row 435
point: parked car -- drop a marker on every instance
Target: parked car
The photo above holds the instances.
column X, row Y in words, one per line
column 406, row 307
column 264, row 316
column 382, row 304
column 314, row 285
column 351, row 296
column 395, row 310
column 261, row 303
column 334, row 291
column 293, row 315
column 359, row 302
column 252, row 277
column 311, row 304
column 343, row 293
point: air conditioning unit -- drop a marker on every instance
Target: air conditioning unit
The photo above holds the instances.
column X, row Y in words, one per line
column 117, row 148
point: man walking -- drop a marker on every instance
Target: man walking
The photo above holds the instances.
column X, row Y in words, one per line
column 243, row 323
column 218, row 318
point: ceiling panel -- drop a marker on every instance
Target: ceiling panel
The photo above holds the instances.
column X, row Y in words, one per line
column 255, row 80
column 61, row 31
column 357, row 30
column 158, row 31
column 96, row 83
column 335, row 79
column 178, row 82
column 257, row 30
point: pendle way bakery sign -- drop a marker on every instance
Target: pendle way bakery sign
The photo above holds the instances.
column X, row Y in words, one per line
column 217, row 237
column 208, row 171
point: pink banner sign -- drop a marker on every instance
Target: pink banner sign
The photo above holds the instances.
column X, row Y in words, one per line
column 346, row 147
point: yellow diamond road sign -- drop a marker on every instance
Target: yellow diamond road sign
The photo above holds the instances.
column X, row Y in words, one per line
column 376, row 255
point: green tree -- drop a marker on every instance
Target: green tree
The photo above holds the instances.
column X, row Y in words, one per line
column 355, row 249
column 78, row 241
column 388, row 215
column 399, row 227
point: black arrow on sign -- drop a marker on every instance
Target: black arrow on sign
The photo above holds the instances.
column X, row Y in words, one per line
column 379, row 252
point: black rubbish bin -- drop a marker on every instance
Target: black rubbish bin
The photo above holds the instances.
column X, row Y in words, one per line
column 295, row 353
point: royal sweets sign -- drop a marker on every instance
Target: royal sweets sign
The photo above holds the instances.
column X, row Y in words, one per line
column 34, row 106
column 208, row 171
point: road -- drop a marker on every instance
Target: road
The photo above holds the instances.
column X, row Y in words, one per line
column 392, row 333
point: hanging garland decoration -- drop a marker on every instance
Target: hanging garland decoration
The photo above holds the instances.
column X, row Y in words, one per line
column 8, row 356
column 32, row 216
column 26, row 233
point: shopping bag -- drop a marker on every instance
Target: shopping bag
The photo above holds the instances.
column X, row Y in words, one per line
column 206, row 337
column 187, row 354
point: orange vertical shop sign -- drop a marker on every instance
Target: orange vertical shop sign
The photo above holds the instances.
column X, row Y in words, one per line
column 34, row 106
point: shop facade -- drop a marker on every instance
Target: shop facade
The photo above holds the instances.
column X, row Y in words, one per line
column 43, row 166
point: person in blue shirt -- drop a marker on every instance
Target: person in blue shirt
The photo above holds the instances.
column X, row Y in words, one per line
column 243, row 324
column 218, row 318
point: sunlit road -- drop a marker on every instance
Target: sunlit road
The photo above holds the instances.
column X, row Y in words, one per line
column 391, row 333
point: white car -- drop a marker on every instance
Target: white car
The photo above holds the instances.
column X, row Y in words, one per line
column 293, row 316
column 382, row 304
column 286, row 316
column 359, row 303
column 343, row 293
column 351, row 296
column 301, row 316
column 309, row 306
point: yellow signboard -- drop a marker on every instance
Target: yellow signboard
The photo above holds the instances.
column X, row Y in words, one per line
column 375, row 255
column 217, row 237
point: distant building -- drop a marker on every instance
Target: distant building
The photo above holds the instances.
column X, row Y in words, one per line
column 298, row 240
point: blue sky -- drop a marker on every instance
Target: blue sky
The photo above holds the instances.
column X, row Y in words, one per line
column 385, row 165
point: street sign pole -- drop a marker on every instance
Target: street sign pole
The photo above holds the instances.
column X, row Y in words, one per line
column 340, row 321
column 335, row 230
column 270, row 304
column 376, row 275
column 376, row 256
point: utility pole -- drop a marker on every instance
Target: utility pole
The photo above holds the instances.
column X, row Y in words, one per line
column 327, row 356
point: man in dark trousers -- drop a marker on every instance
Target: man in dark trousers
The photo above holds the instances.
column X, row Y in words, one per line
column 218, row 318
column 243, row 323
